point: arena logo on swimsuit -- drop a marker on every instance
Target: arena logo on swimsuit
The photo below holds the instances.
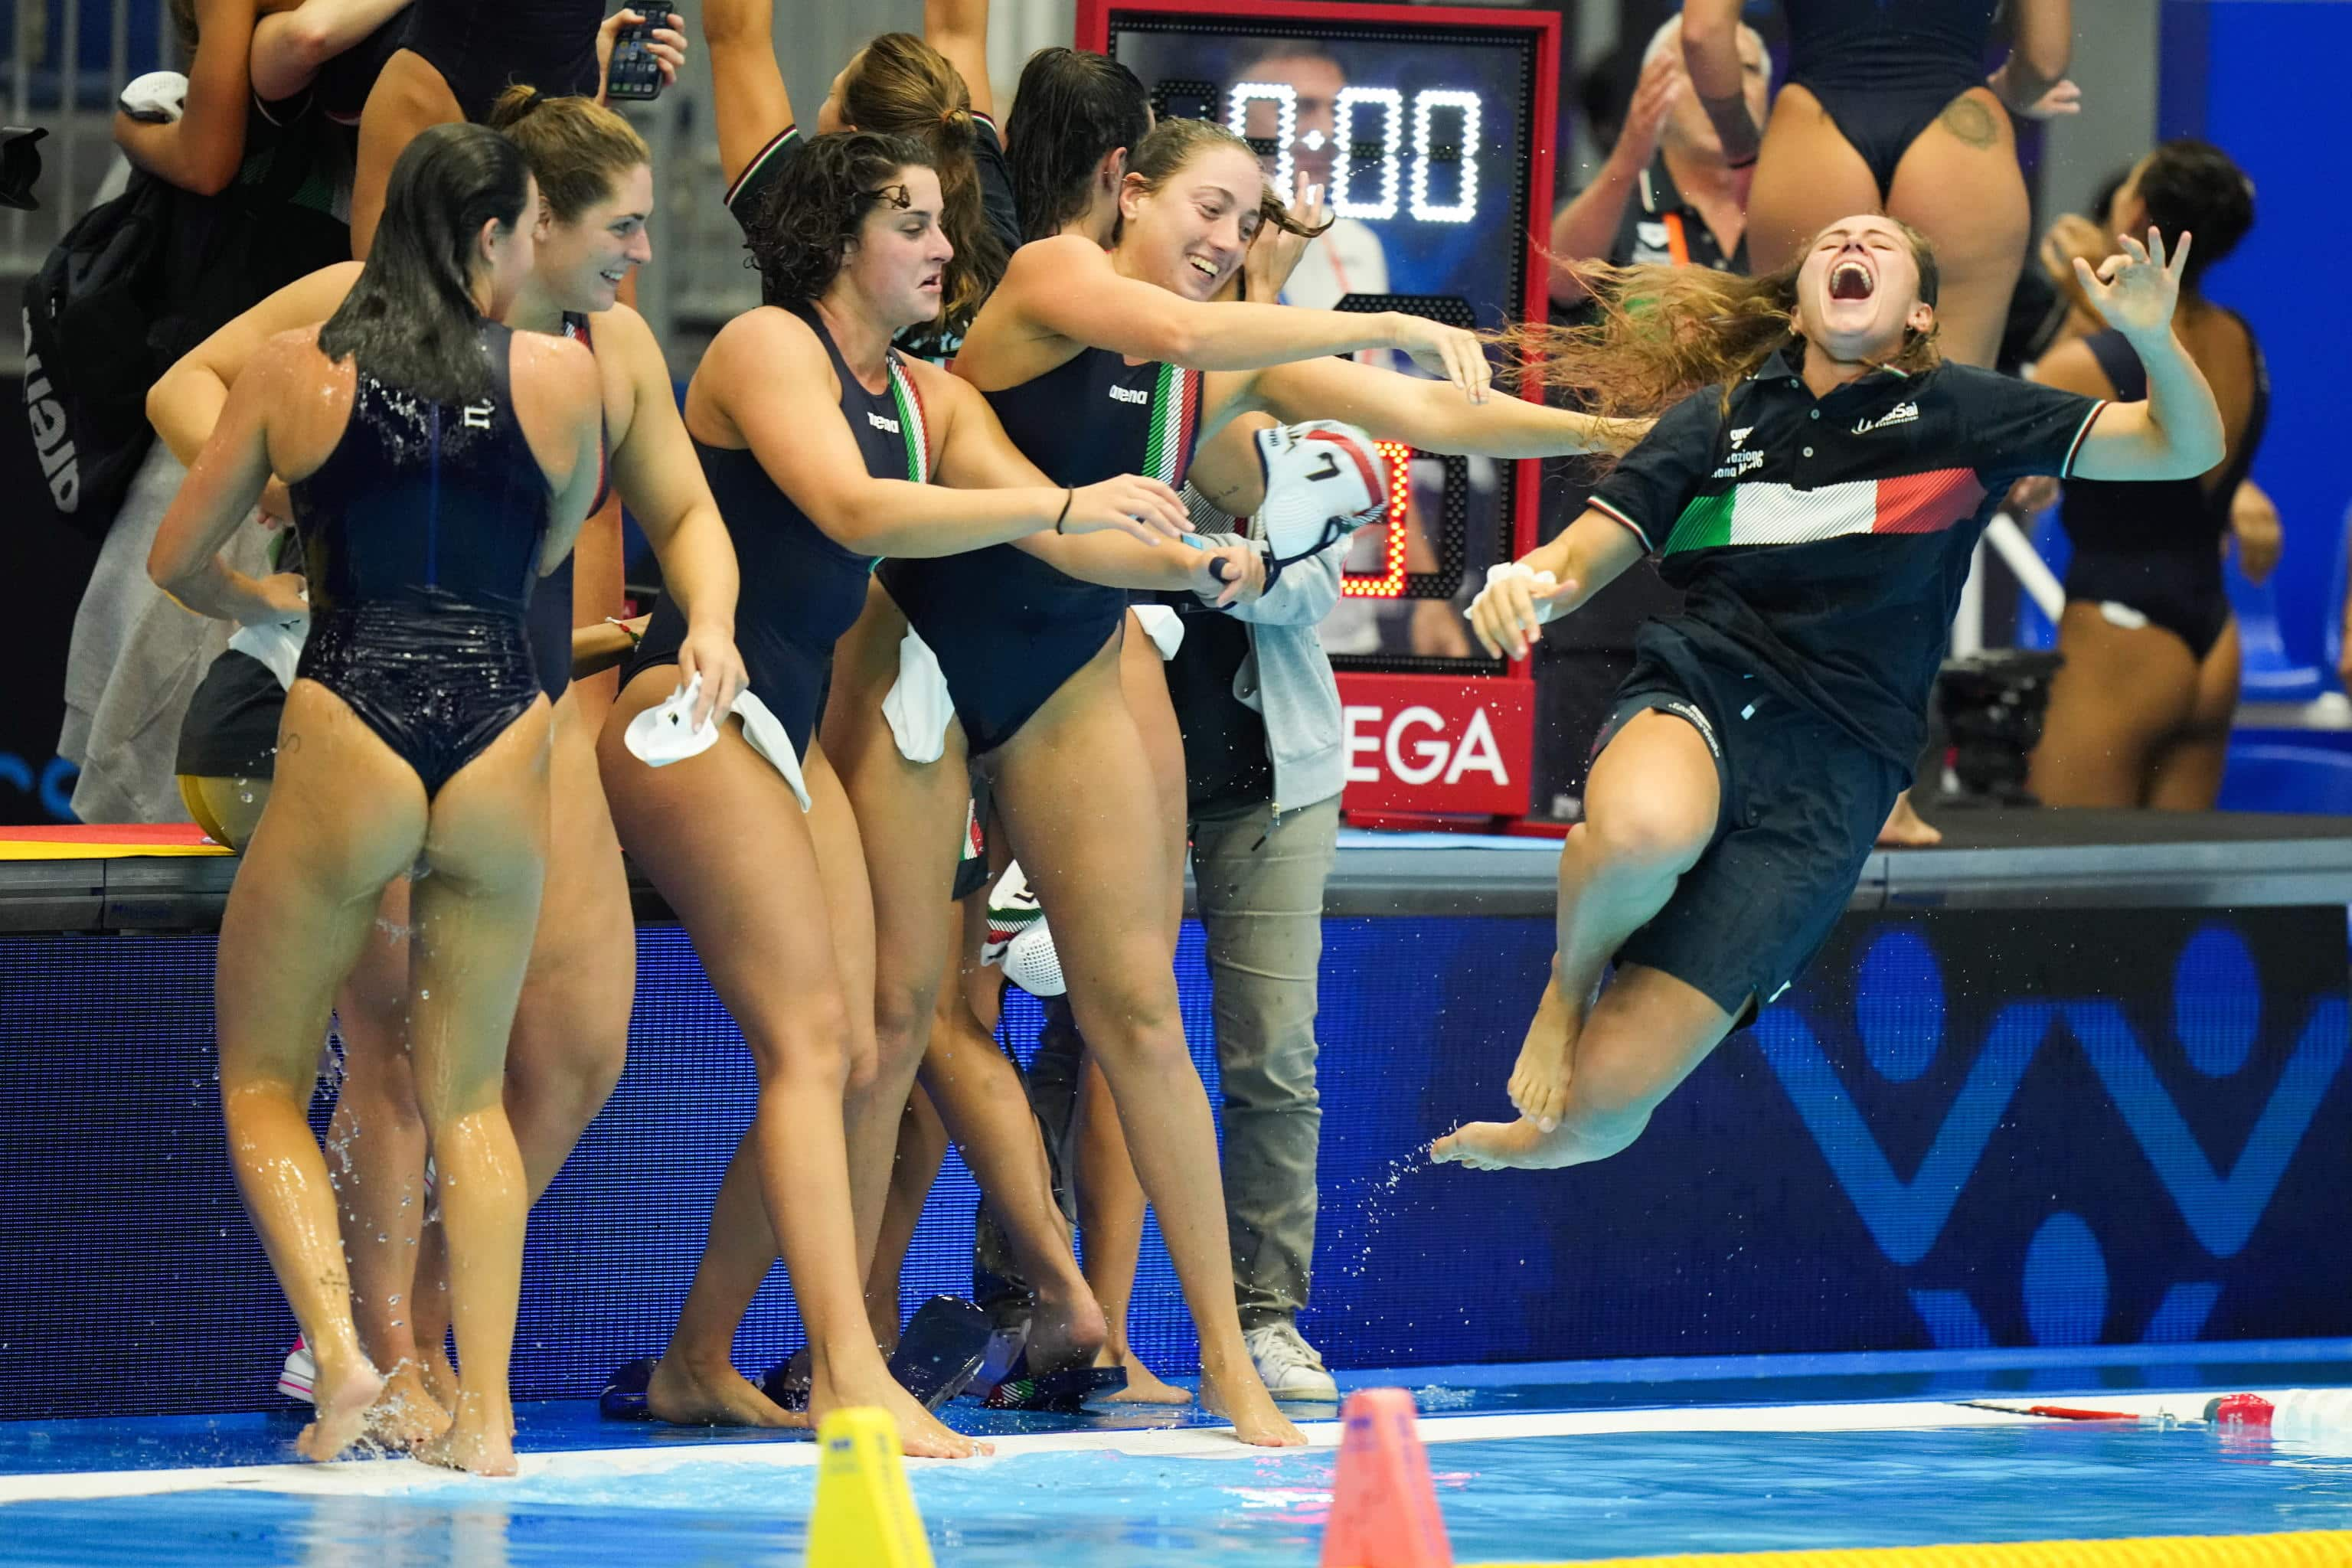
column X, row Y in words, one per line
column 1434, row 745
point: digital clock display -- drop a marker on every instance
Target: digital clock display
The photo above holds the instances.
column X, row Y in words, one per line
column 1418, row 137
column 1417, row 124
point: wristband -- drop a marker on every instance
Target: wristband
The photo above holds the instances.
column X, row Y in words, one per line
column 1068, row 496
column 634, row 635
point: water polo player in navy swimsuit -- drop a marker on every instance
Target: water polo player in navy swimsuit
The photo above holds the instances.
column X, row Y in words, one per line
column 1818, row 505
column 1032, row 659
column 438, row 464
column 822, row 440
column 1083, row 113
column 571, row 1029
column 2140, row 712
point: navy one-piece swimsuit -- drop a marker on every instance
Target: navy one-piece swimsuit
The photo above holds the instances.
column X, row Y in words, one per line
column 1008, row 629
column 1884, row 72
column 421, row 537
column 802, row 590
column 2156, row 548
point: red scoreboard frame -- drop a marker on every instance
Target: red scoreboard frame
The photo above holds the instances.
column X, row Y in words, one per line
column 1421, row 744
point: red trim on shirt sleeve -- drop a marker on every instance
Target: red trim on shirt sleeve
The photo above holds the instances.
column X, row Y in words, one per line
column 1596, row 504
column 2067, row 469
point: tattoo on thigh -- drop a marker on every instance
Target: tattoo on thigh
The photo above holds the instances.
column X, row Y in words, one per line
column 1970, row 120
column 288, row 744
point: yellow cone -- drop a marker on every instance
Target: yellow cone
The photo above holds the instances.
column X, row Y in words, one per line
column 865, row 1516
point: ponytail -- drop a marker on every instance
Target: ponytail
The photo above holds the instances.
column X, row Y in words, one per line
column 899, row 84
column 578, row 149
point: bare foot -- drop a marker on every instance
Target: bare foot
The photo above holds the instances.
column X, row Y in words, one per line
column 1255, row 1420
column 480, row 1440
column 440, row 1374
column 1538, row 1086
column 1906, row 829
column 1066, row 1334
column 405, row 1414
column 343, row 1396
column 1504, row 1146
column 687, row 1395
column 1143, row 1385
column 921, row 1435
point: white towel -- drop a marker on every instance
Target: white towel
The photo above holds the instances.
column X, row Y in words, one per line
column 660, row 736
column 277, row 644
column 918, row 707
column 1163, row 625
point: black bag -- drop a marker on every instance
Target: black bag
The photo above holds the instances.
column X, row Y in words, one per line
column 88, row 364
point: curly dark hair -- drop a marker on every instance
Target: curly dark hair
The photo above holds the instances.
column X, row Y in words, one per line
column 2194, row 186
column 818, row 203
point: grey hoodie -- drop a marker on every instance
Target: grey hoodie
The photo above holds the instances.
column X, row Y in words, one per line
column 1287, row 680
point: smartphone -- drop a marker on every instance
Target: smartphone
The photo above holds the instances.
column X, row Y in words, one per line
column 635, row 73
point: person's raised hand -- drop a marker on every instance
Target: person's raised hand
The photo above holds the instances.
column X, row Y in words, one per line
column 2136, row 292
column 666, row 43
column 1662, row 84
column 1273, row 251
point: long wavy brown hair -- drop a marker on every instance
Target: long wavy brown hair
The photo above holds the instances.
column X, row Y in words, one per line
column 1659, row 334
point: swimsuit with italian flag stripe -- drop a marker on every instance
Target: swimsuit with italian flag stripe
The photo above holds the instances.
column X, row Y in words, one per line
column 1822, row 545
column 1007, row 628
column 800, row 590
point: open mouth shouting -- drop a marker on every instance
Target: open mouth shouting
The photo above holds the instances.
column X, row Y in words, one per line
column 1852, row 277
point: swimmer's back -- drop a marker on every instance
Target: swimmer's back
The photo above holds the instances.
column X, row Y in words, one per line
column 429, row 505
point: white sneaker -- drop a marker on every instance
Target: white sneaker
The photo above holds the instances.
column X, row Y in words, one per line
column 1289, row 1367
column 301, row 1372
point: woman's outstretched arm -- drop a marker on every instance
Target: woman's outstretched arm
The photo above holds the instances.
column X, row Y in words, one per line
column 1430, row 415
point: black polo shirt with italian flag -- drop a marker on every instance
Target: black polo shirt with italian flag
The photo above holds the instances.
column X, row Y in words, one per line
column 1822, row 545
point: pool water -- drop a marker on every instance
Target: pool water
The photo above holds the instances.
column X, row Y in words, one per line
column 1646, row 1468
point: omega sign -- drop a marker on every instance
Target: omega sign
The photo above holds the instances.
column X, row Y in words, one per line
column 1436, row 743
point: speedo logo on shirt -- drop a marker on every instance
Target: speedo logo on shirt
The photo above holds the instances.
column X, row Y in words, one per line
column 1900, row 414
column 881, row 424
column 1129, row 394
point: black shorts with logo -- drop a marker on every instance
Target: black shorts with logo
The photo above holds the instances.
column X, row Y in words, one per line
column 1802, row 802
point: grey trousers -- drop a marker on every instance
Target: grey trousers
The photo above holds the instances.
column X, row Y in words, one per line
column 1260, row 890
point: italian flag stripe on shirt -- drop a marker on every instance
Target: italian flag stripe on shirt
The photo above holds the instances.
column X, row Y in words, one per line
column 1175, row 416
column 912, row 431
column 1763, row 513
